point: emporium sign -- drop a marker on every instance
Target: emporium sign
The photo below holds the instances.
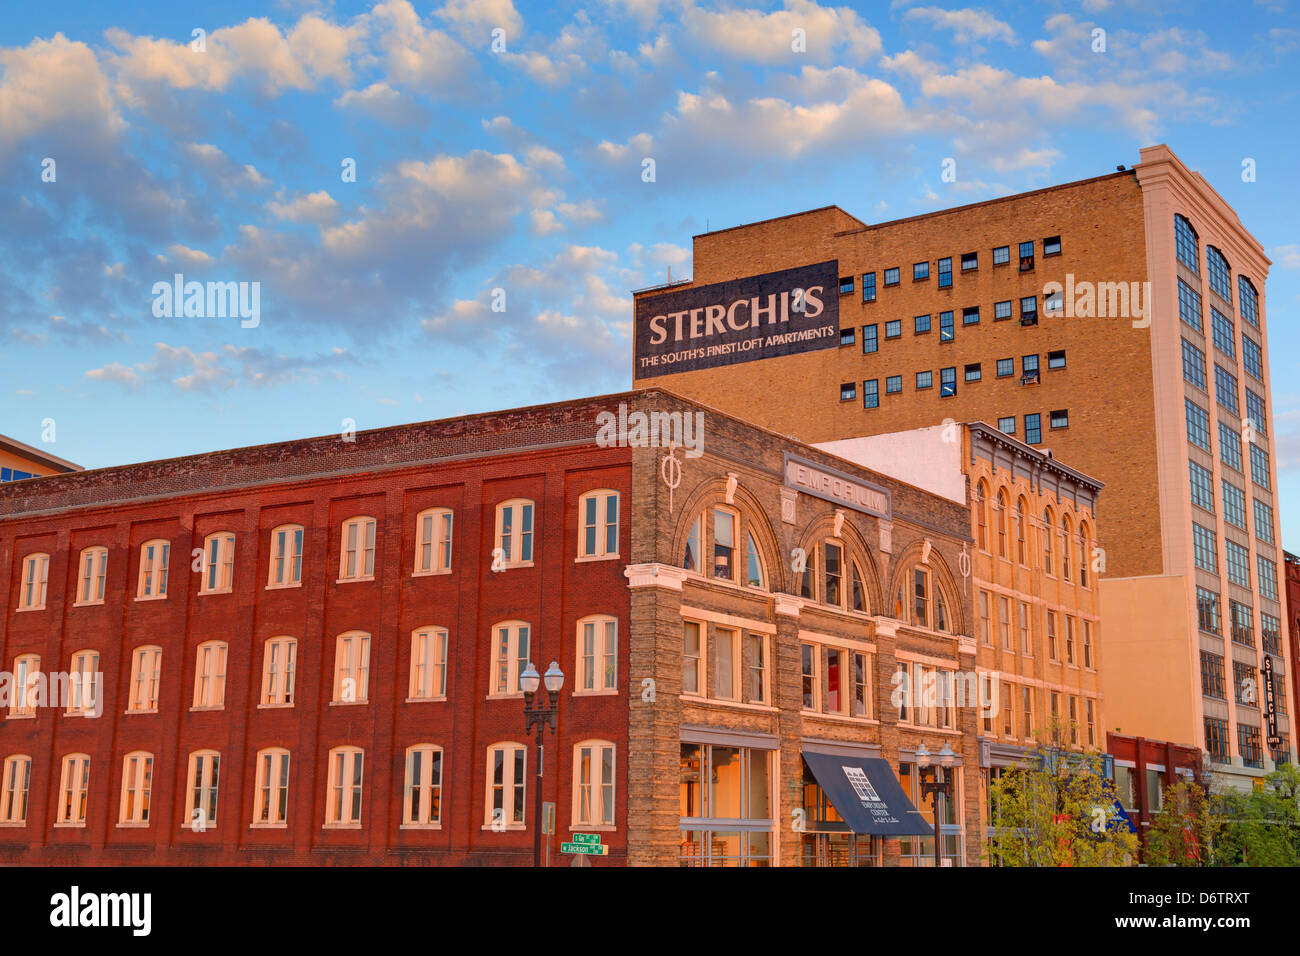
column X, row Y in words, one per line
column 758, row 317
column 831, row 485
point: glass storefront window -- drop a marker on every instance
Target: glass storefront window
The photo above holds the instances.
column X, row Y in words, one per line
column 726, row 802
column 919, row 850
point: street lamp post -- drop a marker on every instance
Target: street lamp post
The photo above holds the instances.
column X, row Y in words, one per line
column 541, row 716
column 931, row 785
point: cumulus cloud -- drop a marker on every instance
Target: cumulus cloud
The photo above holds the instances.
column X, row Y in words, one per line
column 755, row 36
column 319, row 208
column 967, row 26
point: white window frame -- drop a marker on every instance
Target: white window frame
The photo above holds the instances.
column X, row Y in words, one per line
column 271, row 789
column 736, row 541
column 357, row 542
column 516, row 540
column 595, row 803
column 351, row 662
column 425, row 785
column 25, row 686
column 15, row 786
column 514, row 756
column 701, row 675
column 434, row 530
column 599, row 527
column 503, row 679
column 279, row 671
column 154, row 557
column 817, row 663
column 74, row 790
column 137, row 789
column 201, row 790
column 764, row 644
column 90, row 579
column 218, row 575
column 146, row 674
column 36, row 571
column 284, row 569
column 345, row 788
column 869, row 685
column 83, row 683
column 210, row 675
column 597, row 653
column 429, row 649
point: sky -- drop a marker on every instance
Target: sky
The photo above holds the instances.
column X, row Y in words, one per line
column 388, row 173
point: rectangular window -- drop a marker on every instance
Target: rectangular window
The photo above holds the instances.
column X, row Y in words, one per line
column 1004, row 622
column 1052, row 246
column 1026, row 647
column 1202, row 487
column 1007, row 425
column 31, row 593
column 1029, row 310
column 920, row 324
column 946, row 331
column 1225, row 389
column 756, row 668
column 970, row 315
column 1056, row 359
column 846, row 285
column 1193, row 365
column 1229, row 446
column 515, row 532
column 279, row 660
column 204, row 779
column 1216, row 739
column 598, row 524
column 357, row 557
column 352, row 668
column 271, row 806
column 945, row 273
column 1026, row 256
column 74, row 786
column 847, row 336
column 1248, row 744
column 15, row 780
column 506, row 782
column 834, row 703
column 1069, row 639
column 1207, row 610
column 1006, row 366
column 920, row 270
column 286, row 557
column 1221, row 327
column 972, row 372
column 986, row 633
column 146, row 667
column 969, row 260
column 422, row 791
column 1053, row 651
column 428, row 664
column 862, row 684
column 1242, row 618
column 210, row 675
column 218, row 563
column 1249, row 301
column 1267, row 577
column 947, row 382
column 1001, row 255
column 1204, row 550
column 894, row 329
column 1002, row 310
column 891, row 276
column 1270, row 629
column 1033, row 428
column 1255, row 412
column 1212, row 684
column 137, row 787
column 153, row 570
column 1259, row 466
column 1087, row 644
column 893, row 384
column 1198, row 425
column 1060, row 418
column 691, row 658
column 869, row 340
column 1252, row 358
column 848, row 391
column 924, row 380
column 1237, row 559
column 593, row 788
column 1245, row 684
column 868, row 287
column 871, row 393
column 1263, row 521
column 1189, row 305
column 1234, row 505
column 94, row 567
column 808, row 672
column 1029, row 370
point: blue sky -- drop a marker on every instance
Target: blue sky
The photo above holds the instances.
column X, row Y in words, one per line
column 521, row 170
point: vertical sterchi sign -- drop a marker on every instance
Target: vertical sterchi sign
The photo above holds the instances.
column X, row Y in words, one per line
column 1270, row 704
column 779, row 313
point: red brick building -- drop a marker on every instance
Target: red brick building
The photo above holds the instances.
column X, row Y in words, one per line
column 1145, row 769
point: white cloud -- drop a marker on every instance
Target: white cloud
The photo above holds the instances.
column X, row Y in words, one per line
column 968, row 26
column 760, row 37
column 187, row 256
column 318, row 207
column 474, row 20
column 1288, row 256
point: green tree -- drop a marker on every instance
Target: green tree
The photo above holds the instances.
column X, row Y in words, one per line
column 1057, row 809
column 1263, row 826
column 1187, row 830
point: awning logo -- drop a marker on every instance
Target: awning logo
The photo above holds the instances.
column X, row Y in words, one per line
column 861, row 785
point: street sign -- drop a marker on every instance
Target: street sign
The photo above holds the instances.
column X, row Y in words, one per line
column 548, row 818
column 591, row 839
column 585, row 848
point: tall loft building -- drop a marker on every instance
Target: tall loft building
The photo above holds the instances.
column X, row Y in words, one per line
column 1117, row 323
column 310, row 652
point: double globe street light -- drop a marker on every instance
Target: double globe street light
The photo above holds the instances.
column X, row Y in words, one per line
column 542, row 716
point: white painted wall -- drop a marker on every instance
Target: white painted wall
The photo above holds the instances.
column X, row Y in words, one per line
column 920, row 457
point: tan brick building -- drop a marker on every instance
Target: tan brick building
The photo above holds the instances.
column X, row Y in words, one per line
column 1118, row 321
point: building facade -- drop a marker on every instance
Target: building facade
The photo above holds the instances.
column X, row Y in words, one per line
column 310, row 652
column 1117, row 321
column 19, row 461
column 1145, row 769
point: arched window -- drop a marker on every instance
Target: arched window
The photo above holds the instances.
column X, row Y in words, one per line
column 598, row 524
column 1185, row 244
column 352, row 667
column 201, row 793
column 146, row 670
column 286, row 557
column 1022, row 546
column 1219, row 272
column 1003, row 506
column 218, row 563
column 357, row 549
column 25, row 689
column 1085, row 553
column 506, row 785
column 510, row 645
column 514, row 533
column 433, row 541
column 83, row 685
column 754, row 575
column 210, row 675
column 1067, row 532
column 137, row 788
column 1049, row 534
column 1248, row 300
column 15, row 780
column 153, row 570
column 593, row 783
column 343, row 796
column 271, row 790
column 422, row 793
column 428, row 664
column 74, row 786
column 279, row 662
column 840, row 582
column 982, row 514
column 725, row 526
column 597, row 660
column 90, row 576
column 714, row 544
column 36, row 569
column 921, row 600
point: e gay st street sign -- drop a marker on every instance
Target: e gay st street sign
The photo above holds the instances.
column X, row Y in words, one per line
column 586, row 843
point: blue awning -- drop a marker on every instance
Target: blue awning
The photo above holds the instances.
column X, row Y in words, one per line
column 1119, row 819
column 867, row 794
